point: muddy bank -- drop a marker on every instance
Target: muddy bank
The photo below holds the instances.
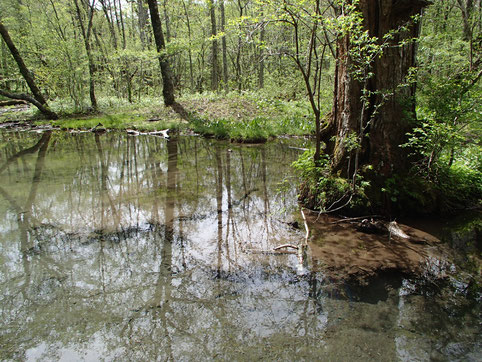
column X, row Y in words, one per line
column 346, row 254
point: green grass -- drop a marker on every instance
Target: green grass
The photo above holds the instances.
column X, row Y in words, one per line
column 115, row 122
column 245, row 117
column 249, row 131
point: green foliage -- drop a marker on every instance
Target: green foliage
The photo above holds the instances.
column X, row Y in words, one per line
column 119, row 121
column 406, row 193
column 250, row 131
column 294, row 41
column 445, row 145
column 216, row 128
column 459, row 187
column 255, row 130
column 307, row 169
column 456, row 189
column 249, row 117
column 321, row 190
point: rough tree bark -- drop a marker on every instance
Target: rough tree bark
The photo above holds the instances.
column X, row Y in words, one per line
column 38, row 99
column 386, row 127
column 167, row 81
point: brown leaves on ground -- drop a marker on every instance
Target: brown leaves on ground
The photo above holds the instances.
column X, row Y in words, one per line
column 223, row 108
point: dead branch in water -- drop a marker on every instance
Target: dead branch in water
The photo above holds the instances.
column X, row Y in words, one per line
column 355, row 219
column 300, row 249
column 270, row 252
column 306, row 227
column 286, row 246
column 164, row 133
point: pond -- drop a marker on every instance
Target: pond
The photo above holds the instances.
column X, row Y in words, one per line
column 115, row 247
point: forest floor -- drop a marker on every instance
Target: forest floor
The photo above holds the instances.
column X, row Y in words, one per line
column 236, row 116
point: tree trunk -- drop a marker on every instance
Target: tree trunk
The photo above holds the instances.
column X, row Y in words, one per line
column 214, row 49
column 238, row 52
column 86, row 36
column 142, row 16
column 113, row 36
column 261, row 57
column 4, row 75
column 188, row 23
column 167, row 20
column 121, row 19
column 168, row 85
column 388, row 114
column 39, row 99
column 466, row 7
column 223, row 45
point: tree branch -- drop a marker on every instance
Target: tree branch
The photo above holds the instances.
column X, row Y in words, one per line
column 32, row 100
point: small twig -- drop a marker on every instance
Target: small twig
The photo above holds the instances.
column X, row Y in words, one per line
column 298, row 148
column 321, row 212
column 355, row 219
column 286, row 246
column 269, row 252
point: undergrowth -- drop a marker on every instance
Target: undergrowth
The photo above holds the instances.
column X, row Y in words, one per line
column 322, row 190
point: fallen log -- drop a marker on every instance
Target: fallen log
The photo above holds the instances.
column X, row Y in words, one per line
column 17, row 102
column 391, row 228
column 41, row 106
column 99, row 128
column 163, row 133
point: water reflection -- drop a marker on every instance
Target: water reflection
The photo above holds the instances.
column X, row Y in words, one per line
column 138, row 248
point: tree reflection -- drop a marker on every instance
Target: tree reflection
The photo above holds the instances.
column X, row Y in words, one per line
column 145, row 251
column 219, row 207
column 25, row 213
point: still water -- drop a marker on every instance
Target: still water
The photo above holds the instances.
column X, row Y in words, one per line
column 139, row 248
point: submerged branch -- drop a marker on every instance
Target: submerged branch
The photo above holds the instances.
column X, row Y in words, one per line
column 306, row 227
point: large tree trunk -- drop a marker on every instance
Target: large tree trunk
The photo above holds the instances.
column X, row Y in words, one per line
column 388, row 115
column 168, row 85
column 39, row 99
